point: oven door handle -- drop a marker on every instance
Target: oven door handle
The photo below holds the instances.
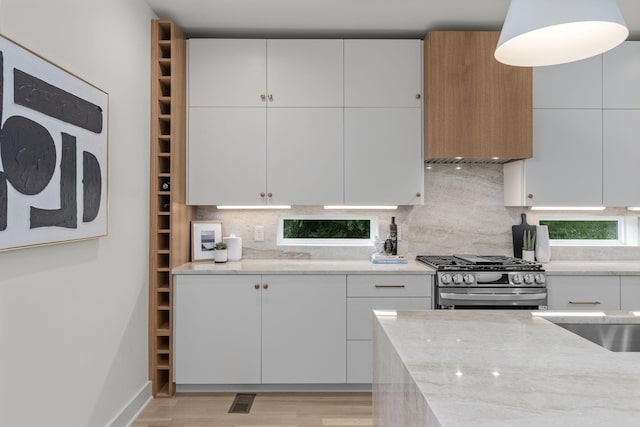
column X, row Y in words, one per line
column 492, row 297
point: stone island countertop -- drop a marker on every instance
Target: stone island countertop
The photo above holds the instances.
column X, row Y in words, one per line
column 499, row 368
column 300, row 266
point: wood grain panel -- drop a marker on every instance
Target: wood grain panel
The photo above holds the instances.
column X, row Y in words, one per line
column 476, row 107
column 169, row 221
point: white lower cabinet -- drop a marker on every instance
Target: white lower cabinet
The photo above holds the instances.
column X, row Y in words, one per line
column 252, row 329
column 583, row 292
column 366, row 293
column 630, row 293
column 303, row 329
column 217, row 329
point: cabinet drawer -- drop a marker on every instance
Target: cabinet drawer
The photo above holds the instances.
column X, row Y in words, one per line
column 392, row 285
column 584, row 292
column 360, row 312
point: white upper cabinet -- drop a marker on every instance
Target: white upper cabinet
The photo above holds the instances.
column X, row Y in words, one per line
column 572, row 85
column 621, row 76
column 383, row 73
column 566, row 168
column 304, row 73
column 621, row 153
column 227, row 157
column 267, row 122
column 383, row 156
column 305, row 156
column 227, row 72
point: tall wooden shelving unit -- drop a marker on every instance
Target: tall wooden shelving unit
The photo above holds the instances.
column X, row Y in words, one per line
column 169, row 215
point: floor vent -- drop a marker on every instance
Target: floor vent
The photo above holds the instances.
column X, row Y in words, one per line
column 242, row 403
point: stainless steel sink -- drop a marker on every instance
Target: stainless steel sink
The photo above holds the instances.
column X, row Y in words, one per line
column 614, row 337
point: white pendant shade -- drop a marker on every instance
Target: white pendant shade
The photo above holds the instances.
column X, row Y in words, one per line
column 548, row 32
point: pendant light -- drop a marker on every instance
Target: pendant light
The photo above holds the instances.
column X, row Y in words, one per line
column 548, row 32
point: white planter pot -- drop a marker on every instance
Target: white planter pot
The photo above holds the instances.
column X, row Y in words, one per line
column 220, row 255
column 528, row 255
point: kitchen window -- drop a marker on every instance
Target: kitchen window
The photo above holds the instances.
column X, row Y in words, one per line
column 592, row 231
column 307, row 230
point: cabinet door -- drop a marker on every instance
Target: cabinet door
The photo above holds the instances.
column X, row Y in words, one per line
column 304, row 329
column 360, row 312
column 226, row 156
column 305, row 152
column 620, row 156
column 383, row 73
column 620, row 76
column 584, row 292
column 217, row 329
column 630, row 293
column 305, row 73
column 226, row 72
column 572, row 85
column 383, row 156
column 566, row 168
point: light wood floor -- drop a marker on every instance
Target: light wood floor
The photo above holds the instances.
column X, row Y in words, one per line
column 268, row 410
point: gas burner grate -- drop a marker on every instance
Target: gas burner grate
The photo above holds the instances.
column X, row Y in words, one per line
column 478, row 263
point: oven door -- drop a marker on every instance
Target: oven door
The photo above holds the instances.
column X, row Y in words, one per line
column 497, row 298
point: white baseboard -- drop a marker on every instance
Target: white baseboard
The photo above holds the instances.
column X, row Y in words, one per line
column 132, row 409
column 249, row 388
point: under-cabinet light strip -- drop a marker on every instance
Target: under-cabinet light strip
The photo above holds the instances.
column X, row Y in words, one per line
column 254, row 207
column 567, row 208
column 360, row 207
column 634, row 208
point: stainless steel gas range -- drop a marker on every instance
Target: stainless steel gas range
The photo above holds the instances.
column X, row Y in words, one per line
column 487, row 282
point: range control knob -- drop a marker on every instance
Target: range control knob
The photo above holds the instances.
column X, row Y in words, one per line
column 528, row 278
column 457, row 278
column 516, row 278
column 445, row 278
column 540, row 278
column 468, row 278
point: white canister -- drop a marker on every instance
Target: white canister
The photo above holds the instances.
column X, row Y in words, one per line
column 543, row 247
column 234, row 247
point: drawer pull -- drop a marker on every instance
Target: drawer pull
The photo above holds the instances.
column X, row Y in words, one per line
column 389, row 286
column 585, row 302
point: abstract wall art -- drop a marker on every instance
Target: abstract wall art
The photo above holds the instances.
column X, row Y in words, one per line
column 53, row 152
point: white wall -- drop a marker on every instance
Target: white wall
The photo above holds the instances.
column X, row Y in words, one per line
column 73, row 316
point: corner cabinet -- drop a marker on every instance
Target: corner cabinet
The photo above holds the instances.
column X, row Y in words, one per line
column 476, row 107
column 260, row 329
column 586, row 123
column 327, row 115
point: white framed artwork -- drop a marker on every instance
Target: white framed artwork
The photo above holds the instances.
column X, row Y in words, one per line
column 53, row 152
column 204, row 236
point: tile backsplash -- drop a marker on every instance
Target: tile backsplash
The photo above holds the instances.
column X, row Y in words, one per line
column 463, row 213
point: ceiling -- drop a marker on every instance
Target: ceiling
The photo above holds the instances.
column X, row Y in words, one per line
column 343, row 18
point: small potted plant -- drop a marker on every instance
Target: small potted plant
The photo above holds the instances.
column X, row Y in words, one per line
column 529, row 245
column 220, row 254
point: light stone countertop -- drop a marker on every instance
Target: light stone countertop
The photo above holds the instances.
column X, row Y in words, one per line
column 298, row 266
column 605, row 268
column 506, row 368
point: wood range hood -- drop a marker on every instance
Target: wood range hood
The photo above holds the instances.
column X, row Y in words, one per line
column 477, row 110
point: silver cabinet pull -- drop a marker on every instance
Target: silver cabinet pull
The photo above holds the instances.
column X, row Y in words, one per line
column 265, row 286
column 263, row 96
column 257, row 286
column 269, row 194
column 418, row 96
column 270, row 96
column 418, row 194
column 262, row 194
column 585, row 302
column 389, row 286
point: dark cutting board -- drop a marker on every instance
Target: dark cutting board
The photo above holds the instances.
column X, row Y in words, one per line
column 518, row 233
